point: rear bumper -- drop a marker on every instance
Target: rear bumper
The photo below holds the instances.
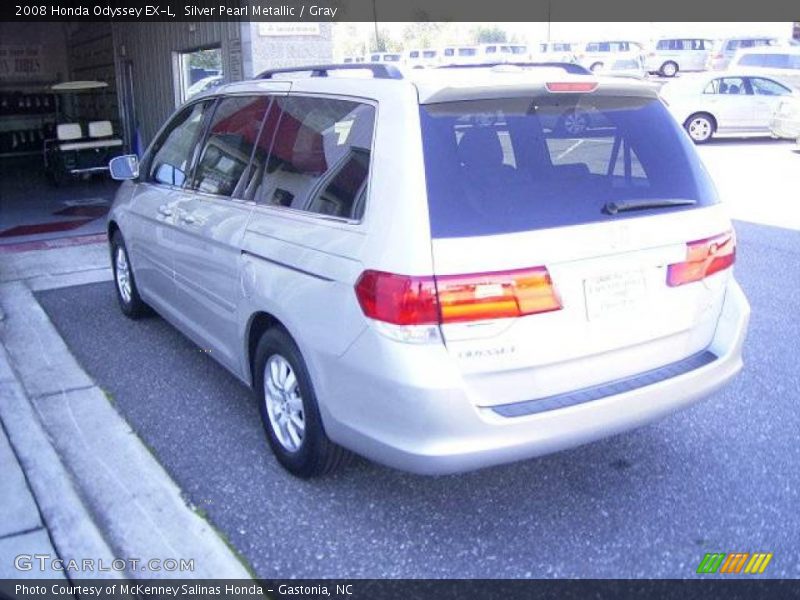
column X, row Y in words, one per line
column 422, row 422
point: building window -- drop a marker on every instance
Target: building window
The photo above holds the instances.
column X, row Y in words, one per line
column 198, row 71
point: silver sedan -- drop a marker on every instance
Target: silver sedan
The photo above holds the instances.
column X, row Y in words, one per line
column 737, row 103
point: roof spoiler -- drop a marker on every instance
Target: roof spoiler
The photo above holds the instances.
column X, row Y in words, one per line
column 571, row 68
column 379, row 71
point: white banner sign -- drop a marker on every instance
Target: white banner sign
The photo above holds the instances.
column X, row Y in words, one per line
column 276, row 29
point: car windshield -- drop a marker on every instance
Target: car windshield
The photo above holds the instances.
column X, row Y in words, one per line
column 517, row 164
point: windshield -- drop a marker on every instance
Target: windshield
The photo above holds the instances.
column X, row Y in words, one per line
column 501, row 166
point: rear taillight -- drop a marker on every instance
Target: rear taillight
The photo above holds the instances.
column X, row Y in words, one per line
column 398, row 299
column 703, row 258
column 405, row 300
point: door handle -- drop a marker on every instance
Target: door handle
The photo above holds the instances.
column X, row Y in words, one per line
column 165, row 210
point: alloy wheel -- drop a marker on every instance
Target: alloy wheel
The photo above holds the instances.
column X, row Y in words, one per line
column 284, row 403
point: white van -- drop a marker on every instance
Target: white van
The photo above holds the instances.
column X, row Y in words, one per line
column 671, row 55
column 422, row 57
column 616, row 57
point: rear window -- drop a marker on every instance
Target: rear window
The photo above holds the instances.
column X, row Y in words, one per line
column 517, row 164
column 773, row 61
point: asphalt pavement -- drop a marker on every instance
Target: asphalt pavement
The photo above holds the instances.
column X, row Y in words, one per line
column 719, row 477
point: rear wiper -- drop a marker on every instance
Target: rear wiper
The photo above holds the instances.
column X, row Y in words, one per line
column 612, row 208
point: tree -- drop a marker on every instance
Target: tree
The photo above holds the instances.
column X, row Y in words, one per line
column 383, row 42
column 485, row 34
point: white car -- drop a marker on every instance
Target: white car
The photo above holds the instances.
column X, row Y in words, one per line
column 501, row 53
column 669, row 56
column 785, row 122
column 616, row 58
column 725, row 103
column 460, row 55
column 385, row 57
column 420, row 272
column 554, row 52
column 725, row 49
column 772, row 61
column 419, row 58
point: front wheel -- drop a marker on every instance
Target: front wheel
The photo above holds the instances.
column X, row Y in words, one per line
column 669, row 69
column 128, row 297
column 598, row 66
column 700, row 128
column 289, row 410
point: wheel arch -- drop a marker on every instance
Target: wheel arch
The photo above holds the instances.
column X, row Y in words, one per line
column 111, row 229
column 257, row 324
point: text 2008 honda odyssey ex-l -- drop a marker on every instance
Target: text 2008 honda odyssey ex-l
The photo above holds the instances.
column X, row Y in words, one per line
column 437, row 274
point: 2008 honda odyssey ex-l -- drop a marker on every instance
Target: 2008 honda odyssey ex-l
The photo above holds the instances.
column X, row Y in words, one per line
column 438, row 274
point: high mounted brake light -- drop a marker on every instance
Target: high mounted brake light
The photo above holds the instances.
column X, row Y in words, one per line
column 703, row 258
column 405, row 300
column 571, row 86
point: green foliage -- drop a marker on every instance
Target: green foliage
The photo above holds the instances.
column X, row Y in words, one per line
column 489, row 34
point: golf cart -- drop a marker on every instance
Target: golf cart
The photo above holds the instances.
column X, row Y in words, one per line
column 80, row 148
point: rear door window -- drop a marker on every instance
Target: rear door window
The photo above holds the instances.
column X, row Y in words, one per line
column 319, row 159
column 502, row 166
column 767, row 87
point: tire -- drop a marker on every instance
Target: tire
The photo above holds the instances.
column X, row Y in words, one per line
column 669, row 69
column 596, row 67
column 287, row 402
column 127, row 293
column 700, row 127
column 573, row 123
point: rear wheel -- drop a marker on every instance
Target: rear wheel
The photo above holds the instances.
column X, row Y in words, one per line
column 128, row 297
column 289, row 410
column 596, row 67
column 700, row 127
column 669, row 69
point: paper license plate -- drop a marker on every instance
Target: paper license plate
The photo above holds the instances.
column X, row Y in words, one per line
column 615, row 294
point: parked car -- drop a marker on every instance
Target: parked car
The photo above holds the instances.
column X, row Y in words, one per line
column 617, row 58
column 459, row 55
column 421, row 58
column 785, row 122
column 418, row 272
column 554, row 51
column 672, row 55
column 498, row 53
column 724, row 50
column 204, row 84
column 385, row 57
column 775, row 61
column 727, row 103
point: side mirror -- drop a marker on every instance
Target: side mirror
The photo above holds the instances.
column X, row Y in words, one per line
column 124, row 167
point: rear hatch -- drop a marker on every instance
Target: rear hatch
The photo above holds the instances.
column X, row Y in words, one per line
column 576, row 238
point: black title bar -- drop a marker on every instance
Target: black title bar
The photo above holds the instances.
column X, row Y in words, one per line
column 400, row 10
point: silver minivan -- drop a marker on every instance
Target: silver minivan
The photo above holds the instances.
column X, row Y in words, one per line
column 671, row 55
column 433, row 272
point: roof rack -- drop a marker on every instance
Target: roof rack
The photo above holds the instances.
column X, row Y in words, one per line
column 572, row 68
column 379, row 71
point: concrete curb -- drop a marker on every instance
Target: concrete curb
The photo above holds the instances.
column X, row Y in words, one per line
column 101, row 493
